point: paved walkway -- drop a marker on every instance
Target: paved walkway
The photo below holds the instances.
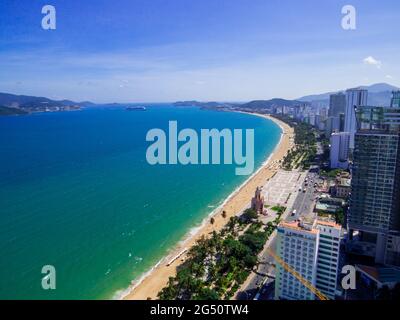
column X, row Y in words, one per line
column 283, row 190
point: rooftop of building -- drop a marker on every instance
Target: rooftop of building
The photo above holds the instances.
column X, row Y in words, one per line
column 381, row 275
column 310, row 225
column 344, row 174
column 356, row 89
column 327, row 199
column 299, row 226
column 328, row 223
column 338, row 133
column 343, row 182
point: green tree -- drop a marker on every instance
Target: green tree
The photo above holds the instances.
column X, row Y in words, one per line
column 250, row 261
column 254, row 241
column 249, row 215
column 207, row 294
column 339, row 217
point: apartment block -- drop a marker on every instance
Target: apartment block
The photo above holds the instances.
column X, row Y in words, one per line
column 312, row 249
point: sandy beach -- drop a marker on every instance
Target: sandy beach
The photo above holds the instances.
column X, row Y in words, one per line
column 150, row 285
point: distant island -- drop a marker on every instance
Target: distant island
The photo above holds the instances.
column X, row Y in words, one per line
column 137, row 108
column 11, row 104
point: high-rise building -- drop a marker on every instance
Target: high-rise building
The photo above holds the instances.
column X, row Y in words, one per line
column 354, row 98
column 342, row 118
column 319, row 122
column 395, row 103
column 375, row 198
column 332, row 124
column 339, row 150
column 337, row 104
column 392, row 254
column 311, row 119
column 297, row 245
column 312, row 249
column 328, row 257
column 323, row 112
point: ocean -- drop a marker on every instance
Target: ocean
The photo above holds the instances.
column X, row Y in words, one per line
column 76, row 192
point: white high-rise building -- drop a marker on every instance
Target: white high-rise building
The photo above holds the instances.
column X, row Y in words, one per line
column 339, row 150
column 356, row 97
column 297, row 245
column 312, row 249
column 328, row 257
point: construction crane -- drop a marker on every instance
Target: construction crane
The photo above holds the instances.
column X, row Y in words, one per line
column 298, row 276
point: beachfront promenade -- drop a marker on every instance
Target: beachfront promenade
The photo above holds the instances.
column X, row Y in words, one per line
column 281, row 190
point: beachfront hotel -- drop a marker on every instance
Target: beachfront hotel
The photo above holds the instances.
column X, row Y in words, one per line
column 312, row 249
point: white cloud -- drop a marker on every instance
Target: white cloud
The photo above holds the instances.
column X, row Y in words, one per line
column 373, row 62
column 388, row 76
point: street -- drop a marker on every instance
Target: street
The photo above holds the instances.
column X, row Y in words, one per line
column 305, row 200
column 260, row 284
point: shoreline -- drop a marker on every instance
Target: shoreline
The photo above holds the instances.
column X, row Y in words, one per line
column 151, row 282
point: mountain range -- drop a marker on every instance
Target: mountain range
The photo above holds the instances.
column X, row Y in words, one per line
column 378, row 94
column 20, row 104
column 267, row 104
column 194, row 103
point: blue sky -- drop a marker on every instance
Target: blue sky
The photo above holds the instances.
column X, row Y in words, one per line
column 226, row 50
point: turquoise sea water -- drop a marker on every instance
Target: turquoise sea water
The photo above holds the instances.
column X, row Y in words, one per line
column 77, row 193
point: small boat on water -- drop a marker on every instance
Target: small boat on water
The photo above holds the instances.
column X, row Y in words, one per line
column 136, row 108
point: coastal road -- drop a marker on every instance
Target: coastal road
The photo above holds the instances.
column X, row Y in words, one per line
column 305, row 201
column 265, row 271
column 262, row 280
